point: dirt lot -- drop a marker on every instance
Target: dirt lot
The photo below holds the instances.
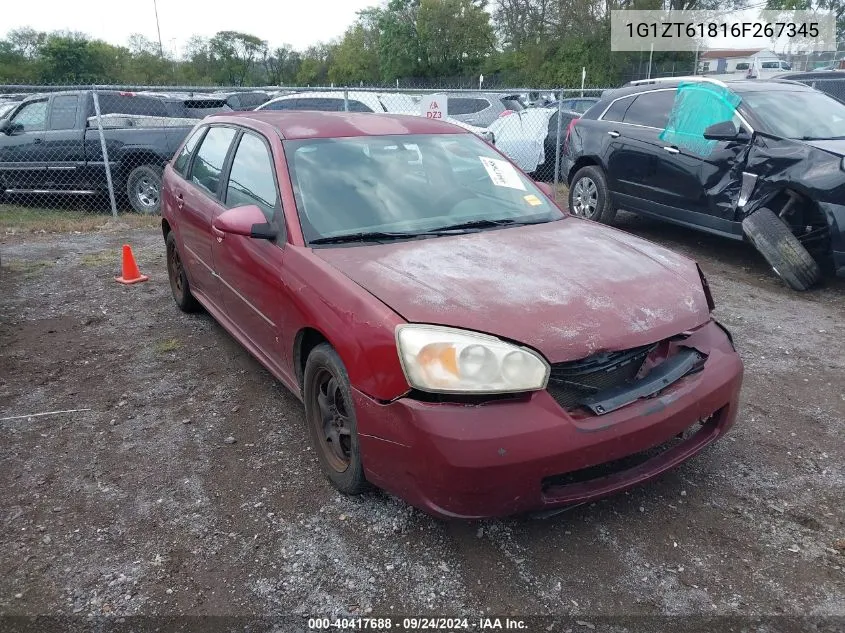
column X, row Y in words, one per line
column 139, row 505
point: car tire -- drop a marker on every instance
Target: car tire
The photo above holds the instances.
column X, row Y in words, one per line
column 331, row 420
column 785, row 254
column 589, row 197
column 143, row 186
column 179, row 285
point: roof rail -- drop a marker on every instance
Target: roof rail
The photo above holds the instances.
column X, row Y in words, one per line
column 655, row 80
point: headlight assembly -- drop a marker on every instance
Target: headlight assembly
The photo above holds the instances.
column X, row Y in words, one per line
column 448, row 360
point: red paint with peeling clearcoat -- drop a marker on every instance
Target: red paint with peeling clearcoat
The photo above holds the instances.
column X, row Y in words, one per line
column 567, row 289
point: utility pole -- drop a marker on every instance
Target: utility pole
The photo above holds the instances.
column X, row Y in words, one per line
column 160, row 47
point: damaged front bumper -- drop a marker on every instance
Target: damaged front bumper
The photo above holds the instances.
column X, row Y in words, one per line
column 528, row 454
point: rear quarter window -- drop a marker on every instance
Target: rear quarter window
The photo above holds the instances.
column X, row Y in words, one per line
column 617, row 109
column 113, row 103
column 464, row 105
column 182, row 160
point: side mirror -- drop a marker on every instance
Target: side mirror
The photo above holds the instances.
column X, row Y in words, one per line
column 724, row 131
column 5, row 126
column 546, row 188
column 248, row 221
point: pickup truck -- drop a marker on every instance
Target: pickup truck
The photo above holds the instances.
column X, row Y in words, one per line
column 50, row 144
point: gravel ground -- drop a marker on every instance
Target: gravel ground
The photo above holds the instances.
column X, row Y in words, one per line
column 187, row 485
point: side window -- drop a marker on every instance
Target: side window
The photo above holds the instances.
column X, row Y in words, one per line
column 651, row 109
column 251, row 179
column 284, row 104
column 465, row 105
column 181, row 161
column 33, row 116
column 127, row 103
column 208, row 163
column 323, row 105
column 743, row 66
column 63, row 112
column 616, row 112
column 357, row 106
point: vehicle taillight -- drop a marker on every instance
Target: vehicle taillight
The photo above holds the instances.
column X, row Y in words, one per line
column 505, row 113
column 568, row 132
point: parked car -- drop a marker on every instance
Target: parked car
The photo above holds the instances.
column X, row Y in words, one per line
column 191, row 105
column 772, row 174
column 482, row 108
column 243, row 101
column 6, row 107
column 831, row 82
column 522, row 138
column 456, row 339
column 50, row 144
column 575, row 104
column 362, row 101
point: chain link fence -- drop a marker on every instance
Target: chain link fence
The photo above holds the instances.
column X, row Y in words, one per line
column 101, row 150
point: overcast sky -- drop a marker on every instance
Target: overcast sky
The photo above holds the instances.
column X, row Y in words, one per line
column 299, row 23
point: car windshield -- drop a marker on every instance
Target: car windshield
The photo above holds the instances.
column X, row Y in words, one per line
column 410, row 185
column 798, row 114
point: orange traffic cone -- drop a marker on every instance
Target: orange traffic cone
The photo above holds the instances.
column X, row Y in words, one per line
column 131, row 274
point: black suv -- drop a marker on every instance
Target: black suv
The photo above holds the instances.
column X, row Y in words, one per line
column 772, row 174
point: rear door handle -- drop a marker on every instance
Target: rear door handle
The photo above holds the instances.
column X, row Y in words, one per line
column 180, row 201
column 672, row 150
column 217, row 233
column 614, row 134
column 36, row 141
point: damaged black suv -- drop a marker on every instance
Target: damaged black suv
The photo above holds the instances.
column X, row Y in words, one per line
column 771, row 172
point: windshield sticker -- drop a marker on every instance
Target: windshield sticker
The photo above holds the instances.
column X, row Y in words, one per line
column 502, row 173
column 533, row 200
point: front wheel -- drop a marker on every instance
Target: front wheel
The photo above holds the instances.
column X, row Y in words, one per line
column 589, row 197
column 330, row 415
column 784, row 252
column 143, row 186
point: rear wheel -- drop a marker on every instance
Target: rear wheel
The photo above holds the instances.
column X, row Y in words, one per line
column 784, row 252
column 331, row 420
column 143, row 186
column 589, row 197
column 179, row 286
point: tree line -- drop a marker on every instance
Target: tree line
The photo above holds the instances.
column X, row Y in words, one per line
column 416, row 42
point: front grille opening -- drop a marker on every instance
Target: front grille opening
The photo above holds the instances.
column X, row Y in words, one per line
column 628, row 462
column 570, row 383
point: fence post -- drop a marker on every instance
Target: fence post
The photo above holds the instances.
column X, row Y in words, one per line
column 557, row 144
column 583, row 78
column 346, row 99
column 109, row 182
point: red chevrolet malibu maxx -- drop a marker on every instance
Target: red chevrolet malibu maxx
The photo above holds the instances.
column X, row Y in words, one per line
column 457, row 339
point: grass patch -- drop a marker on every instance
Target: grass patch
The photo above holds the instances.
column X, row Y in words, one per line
column 168, row 345
column 27, row 267
column 562, row 194
column 24, row 219
column 101, row 258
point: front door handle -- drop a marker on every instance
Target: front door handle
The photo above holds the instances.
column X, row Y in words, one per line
column 217, row 233
column 614, row 134
column 36, row 141
column 180, row 201
column 672, row 150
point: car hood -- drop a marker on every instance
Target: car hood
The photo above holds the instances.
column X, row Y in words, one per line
column 568, row 288
column 834, row 146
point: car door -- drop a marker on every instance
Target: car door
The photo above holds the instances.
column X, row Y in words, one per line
column 64, row 145
column 250, row 269
column 656, row 177
column 22, row 159
column 610, row 144
column 198, row 203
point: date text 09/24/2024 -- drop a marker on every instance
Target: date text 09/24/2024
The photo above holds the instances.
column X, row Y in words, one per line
column 416, row 624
